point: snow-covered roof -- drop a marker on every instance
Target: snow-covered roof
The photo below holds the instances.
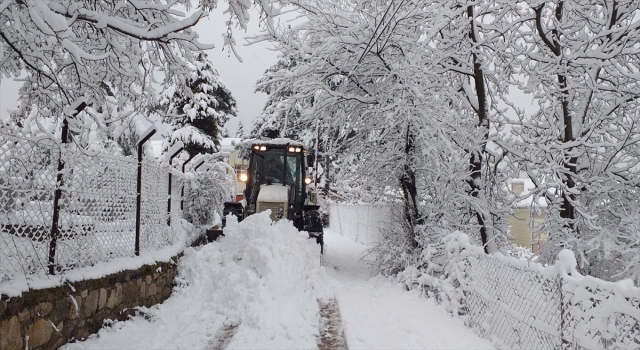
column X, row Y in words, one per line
column 527, row 189
column 228, row 144
column 279, row 142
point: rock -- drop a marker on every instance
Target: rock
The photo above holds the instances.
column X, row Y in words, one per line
column 39, row 333
column 10, row 337
column 91, row 303
column 143, row 290
column 153, row 289
column 74, row 310
column 103, row 299
column 148, row 279
column 111, row 302
column 59, row 343
column 129, row 292
column 61, row 310
column 13, row 306
column 45, row 309
column 60, row 327
column 81, row 333
column 119, row 293
column 3, row 307
column 24, row 315
column 84, row 293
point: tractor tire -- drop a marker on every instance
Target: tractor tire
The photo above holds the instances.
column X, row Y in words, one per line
column 231, row 209
column 312, row 223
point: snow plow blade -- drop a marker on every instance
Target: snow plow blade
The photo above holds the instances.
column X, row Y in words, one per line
column 213, row 234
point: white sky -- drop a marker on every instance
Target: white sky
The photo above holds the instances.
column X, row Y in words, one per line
column 239, row 77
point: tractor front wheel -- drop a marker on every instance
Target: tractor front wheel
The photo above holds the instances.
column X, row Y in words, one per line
column 313, row 224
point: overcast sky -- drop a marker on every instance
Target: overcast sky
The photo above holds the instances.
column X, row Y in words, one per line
column 239, row 77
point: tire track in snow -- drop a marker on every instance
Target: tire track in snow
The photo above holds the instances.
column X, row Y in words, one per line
column 331, row 330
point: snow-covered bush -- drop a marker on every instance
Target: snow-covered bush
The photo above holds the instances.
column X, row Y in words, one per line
column 395, row 250
column 208, row 190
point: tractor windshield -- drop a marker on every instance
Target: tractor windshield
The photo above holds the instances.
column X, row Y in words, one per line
column 269, row 167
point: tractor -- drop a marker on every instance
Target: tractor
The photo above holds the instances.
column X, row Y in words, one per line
column 277, row 179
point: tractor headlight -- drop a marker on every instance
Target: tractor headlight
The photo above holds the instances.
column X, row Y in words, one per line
column 308, row 180
column 292, row 149
column 243, row 177
column 263, row 148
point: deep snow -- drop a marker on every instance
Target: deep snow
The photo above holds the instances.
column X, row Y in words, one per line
column 266, row 280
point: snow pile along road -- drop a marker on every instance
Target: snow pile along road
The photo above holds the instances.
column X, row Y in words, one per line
column 262, row 280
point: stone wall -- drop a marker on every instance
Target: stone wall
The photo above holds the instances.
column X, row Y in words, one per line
column 49, row 318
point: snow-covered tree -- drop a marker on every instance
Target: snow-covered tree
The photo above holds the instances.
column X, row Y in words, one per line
column 94, row 49
column 197, row 115
column 377, row 79
column 240, row 130
column 353, row 77
column 580, row 61
column 106, row 52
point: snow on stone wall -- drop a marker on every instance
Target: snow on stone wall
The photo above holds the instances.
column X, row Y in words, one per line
column 360, row 222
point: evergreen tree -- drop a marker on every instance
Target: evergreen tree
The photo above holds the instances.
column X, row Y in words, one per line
column 240, row 130
column 197, row 116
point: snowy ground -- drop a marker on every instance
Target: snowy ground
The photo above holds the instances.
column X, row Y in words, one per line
column 379, row 314
column 260, row 285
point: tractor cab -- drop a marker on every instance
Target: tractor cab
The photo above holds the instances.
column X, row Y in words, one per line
column 277, row 179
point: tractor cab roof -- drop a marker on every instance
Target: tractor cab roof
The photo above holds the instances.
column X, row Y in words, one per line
column 277, row 143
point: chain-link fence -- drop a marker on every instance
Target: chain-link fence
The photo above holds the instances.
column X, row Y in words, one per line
column 520, row 307
column 96, row 216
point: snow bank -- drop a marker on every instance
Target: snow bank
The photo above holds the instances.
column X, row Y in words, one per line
column 267, row 278
column 263, row 277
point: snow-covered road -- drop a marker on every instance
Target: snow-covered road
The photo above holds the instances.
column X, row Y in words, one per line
column 259, row 287
column 378, row 314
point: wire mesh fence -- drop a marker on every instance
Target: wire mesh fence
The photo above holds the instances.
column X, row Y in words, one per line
column 520, row 307
column 525, row 308
column 96, row 219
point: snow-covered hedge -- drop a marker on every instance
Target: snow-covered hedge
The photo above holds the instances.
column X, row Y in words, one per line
column 208, row 190
column 523, row 304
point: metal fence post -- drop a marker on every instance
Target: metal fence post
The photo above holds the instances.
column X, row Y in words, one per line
column 172, row 152
column 55, row 230
column 200, row 163
column 145, row 137
column 182, row 192
column 565, row 344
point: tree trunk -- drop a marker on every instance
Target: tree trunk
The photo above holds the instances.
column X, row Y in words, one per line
column 476, row 159
column 567, row 211
column 409, row 189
